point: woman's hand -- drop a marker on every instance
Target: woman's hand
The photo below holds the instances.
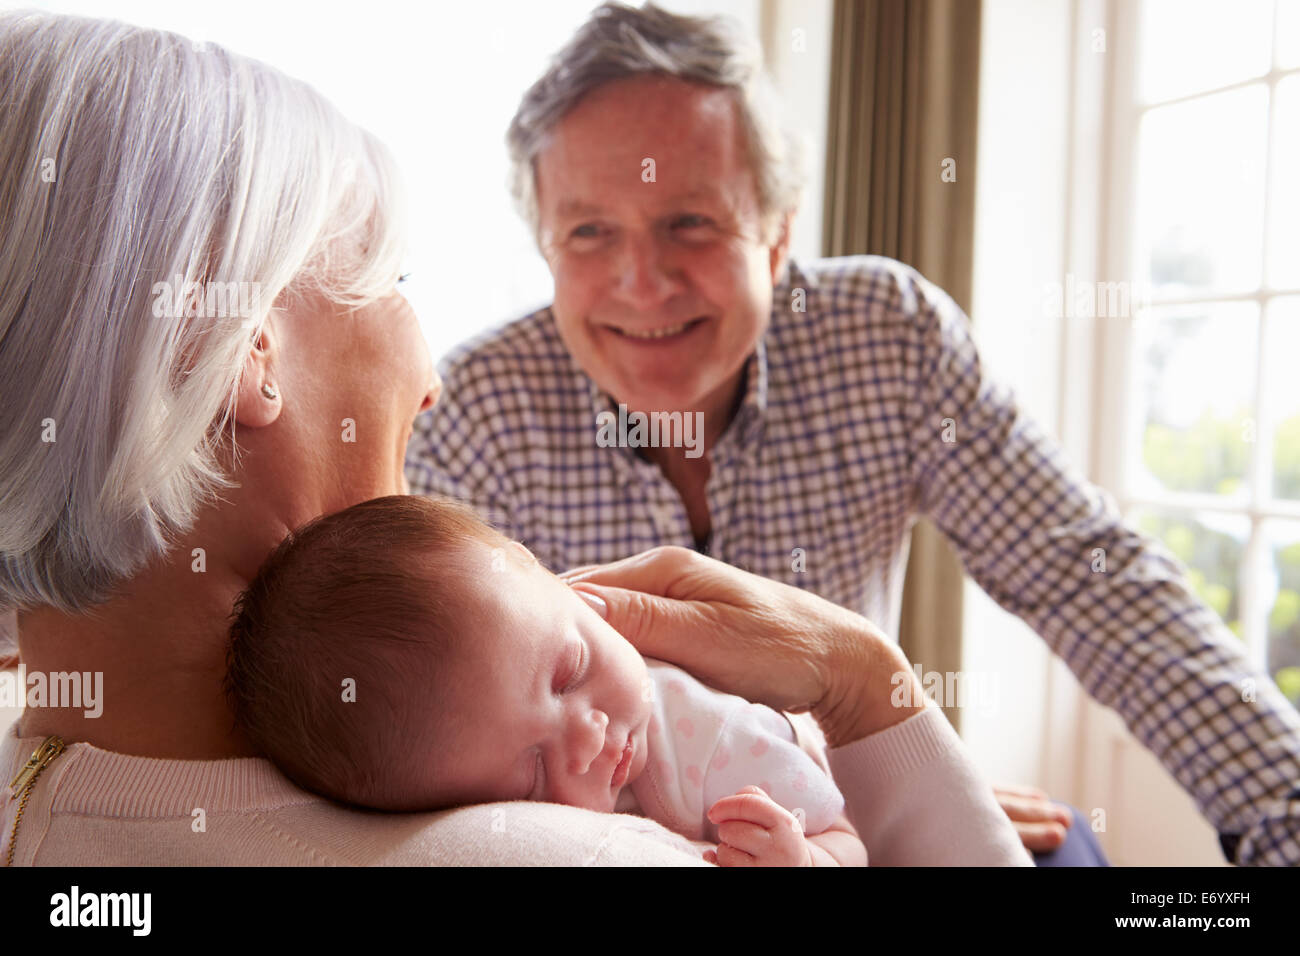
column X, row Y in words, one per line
column 760, row 639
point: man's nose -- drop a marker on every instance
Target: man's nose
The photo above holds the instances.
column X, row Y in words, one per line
column 590, row 742
column 645, row 277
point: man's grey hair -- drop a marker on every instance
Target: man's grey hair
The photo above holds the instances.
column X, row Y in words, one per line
column 620, row 41
column 133, row 160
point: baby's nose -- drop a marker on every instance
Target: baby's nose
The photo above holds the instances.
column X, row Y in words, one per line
column 594, row 745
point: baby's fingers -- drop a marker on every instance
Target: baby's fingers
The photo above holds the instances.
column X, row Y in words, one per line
column 749, row 838
column 750, row 804
column 730, row 856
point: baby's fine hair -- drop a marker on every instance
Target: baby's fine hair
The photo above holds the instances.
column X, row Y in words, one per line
column 339, row 617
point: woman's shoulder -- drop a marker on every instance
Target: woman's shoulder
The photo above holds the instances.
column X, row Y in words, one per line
column 95, row 807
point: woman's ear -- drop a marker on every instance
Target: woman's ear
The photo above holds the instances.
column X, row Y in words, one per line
column 258, row 401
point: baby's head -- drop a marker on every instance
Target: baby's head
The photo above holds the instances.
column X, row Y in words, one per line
column 402, row 655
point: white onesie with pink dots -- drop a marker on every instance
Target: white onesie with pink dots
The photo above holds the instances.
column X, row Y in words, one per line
column 705, row 745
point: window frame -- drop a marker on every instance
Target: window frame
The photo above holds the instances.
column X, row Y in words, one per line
column 1116, row 428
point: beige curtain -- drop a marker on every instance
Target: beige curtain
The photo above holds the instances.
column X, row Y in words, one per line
column 903, row 98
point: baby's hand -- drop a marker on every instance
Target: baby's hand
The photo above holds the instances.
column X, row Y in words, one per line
column 755, row 830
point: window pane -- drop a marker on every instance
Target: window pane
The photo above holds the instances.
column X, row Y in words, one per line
column 1193, row 45
column 1282, row 396
column 1288, row 34
column 1211, row 547
column 1195, row 399
column 1200, row 217
column 1284, row 201
column 1284, row 617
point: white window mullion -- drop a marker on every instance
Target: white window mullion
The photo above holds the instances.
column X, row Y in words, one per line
column 1257, row 578
column 1256, row 595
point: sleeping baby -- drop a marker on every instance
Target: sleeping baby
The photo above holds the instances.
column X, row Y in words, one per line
column 403, row 655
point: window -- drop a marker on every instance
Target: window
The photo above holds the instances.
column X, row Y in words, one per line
column 1212, row 419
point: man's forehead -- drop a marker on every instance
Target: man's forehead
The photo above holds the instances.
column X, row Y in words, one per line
column 626, row 120
column 650, row 102
column 581, row 205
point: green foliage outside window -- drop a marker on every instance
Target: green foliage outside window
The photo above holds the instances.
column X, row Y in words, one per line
column 1213, row 456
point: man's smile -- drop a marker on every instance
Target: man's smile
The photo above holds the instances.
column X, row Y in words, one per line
column 657, row 334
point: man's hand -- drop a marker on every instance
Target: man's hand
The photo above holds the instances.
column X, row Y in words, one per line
column 1040, row 822
column 755, row 830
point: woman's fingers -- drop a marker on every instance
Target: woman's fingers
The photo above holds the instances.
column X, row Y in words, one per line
column 760, row 639
column 615, row 571
column 667, row 571
column 709, row 640
column 656, row 626
column 571, row 575
column 733, row 630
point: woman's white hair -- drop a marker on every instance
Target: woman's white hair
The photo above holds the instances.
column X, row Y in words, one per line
column 131, row 158
column 620, row 41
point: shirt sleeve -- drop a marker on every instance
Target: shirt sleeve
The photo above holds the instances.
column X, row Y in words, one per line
column 1114, row 605
column 757, row 746
column 917, row 798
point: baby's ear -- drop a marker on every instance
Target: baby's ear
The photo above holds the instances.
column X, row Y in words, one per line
column 523, row 553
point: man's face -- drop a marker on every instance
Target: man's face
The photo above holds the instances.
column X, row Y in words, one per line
column 662, row 288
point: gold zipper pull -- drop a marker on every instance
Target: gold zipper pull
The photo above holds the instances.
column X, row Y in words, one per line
column 50, row 748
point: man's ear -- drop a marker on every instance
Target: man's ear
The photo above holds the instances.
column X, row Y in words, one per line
column 780, row 249
column 258, row 401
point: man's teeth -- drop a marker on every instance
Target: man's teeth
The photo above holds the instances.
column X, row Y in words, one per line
column 657, row 333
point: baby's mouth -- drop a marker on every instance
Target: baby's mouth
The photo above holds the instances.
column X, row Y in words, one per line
column 624, row 765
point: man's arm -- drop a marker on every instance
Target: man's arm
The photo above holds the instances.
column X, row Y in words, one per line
column 1052, row 549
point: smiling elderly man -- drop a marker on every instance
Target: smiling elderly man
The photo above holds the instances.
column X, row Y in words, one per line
column 839, row 399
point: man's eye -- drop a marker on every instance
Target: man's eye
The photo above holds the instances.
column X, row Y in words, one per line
column 690, row 222
column 587, row 230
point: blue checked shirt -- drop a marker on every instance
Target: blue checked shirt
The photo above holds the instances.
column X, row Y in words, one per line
column 862, row 410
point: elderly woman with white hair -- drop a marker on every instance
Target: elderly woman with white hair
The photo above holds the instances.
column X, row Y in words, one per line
column 202, row 348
